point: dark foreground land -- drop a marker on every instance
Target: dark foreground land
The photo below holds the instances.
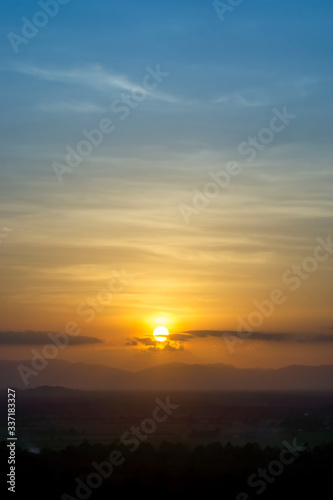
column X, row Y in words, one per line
column 227, row 472
column 73, row 444
column 57, row 417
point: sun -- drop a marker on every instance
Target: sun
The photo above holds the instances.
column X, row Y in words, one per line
column 161, row 333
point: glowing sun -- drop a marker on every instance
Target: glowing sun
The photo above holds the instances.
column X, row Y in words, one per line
column 161, row 333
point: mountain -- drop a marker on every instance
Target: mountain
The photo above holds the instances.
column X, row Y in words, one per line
column 62, row 373
column 173, row 376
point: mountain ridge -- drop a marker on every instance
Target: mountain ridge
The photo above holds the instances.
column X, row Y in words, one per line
column 170, row 376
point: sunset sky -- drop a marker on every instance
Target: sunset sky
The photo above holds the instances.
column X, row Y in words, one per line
column 150, row 102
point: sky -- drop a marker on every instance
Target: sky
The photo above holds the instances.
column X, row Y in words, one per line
column 167, row 163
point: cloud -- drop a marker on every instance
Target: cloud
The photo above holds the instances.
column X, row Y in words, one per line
column 262, row 336
column 180, row 337
column 132, row 342
column 75, row 107
column 323, row 338
column 91, row 75
column 41, row 338
column 248, row 98
column 145, row 341
column 174, row 344
column 167, row 347
column 272, row 337
column 207, row 333
column 172, row 347
column 305, row 86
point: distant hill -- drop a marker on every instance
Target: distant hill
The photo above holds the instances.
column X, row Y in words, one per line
column 173, row 376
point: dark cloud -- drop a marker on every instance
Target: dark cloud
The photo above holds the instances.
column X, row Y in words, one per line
column 180, row 337
column 176, row 340
column 271, row 337
column 41, row 338
column 132, row 342
column 167, row 347
column 174, row 343
column 145, row 341
column 290, row 337
column 170, row 347
column 262, row 336
column 323, row 338
column 208, row 333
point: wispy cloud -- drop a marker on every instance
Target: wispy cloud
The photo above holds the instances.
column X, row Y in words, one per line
column 92, row 75
column 71, row 107
column 247, row 98
column 305, row 85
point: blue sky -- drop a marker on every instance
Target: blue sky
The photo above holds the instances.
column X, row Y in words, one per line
column 225, row 77
column 122, row 202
